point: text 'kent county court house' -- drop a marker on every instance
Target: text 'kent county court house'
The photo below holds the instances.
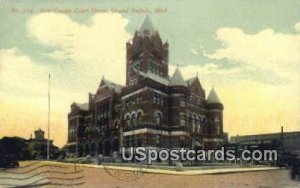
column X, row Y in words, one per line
column 153, row 110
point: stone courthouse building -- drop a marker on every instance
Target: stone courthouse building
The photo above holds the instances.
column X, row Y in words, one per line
column 152, row 110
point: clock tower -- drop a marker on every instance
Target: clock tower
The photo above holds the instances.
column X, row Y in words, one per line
column 146, row 54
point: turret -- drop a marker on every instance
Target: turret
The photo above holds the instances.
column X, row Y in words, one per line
column 213, row 100
column 215, row 114
column 179, row 95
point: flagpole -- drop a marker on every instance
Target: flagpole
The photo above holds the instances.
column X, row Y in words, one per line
column 48, row 141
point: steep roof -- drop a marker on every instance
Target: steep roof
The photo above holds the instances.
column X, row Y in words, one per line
column 153, row 77
column 147, row 27
column 82, row 106
column 110, row 84
column 213, row 97
column 177, row 79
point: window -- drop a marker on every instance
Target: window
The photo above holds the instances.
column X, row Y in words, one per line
column 133, row 119
column 218, row 130
column 138, row 99
column 182, row 118
column 190, row 120
column 127, row 120
column 157, row 139
column 217, row 120
column 199, row 128
column 154, row 68
column 158, row 117
column 182, row 103
column 116, row 124
column 182, row 122
column 133, row 100
column 139, row 118
column 157, row 99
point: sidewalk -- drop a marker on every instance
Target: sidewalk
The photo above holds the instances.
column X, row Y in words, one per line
column 196, row 171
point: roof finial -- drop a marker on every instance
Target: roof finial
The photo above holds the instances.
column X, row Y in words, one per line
column 213, row 97
column 177, row 78
column 197, row 74
column 147, row 27
column 177, row 66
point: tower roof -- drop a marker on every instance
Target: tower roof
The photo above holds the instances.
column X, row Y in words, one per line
column 177, row 79
column 147, row 27
column 213, row 97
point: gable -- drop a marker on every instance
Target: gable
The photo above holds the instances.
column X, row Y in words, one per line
column 195, row 87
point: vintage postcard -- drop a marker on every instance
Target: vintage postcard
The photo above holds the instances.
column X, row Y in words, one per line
column 137, row 93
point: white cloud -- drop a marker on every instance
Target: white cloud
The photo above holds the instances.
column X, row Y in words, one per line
column 252, row 106
column 266, row 50
column 194, row 51
column 297, row 26
column 18, row 72
column 96, row 48
column 84, row 53
column 207, row 69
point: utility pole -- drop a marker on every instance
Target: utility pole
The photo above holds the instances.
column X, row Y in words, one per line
column 48, row 141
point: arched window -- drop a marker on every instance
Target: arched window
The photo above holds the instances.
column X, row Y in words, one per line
column 194, row 120
column 198, row 128
column 158, row 117
column 133, row 119
column 116, row 124
column 127, row 118
column 190, row 120
column 139, row 118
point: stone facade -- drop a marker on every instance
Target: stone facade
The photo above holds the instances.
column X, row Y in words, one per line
column 152, row 110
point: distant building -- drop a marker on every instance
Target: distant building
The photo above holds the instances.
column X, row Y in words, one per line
column 289, row 141
column 152, row 110
column 38, row 145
